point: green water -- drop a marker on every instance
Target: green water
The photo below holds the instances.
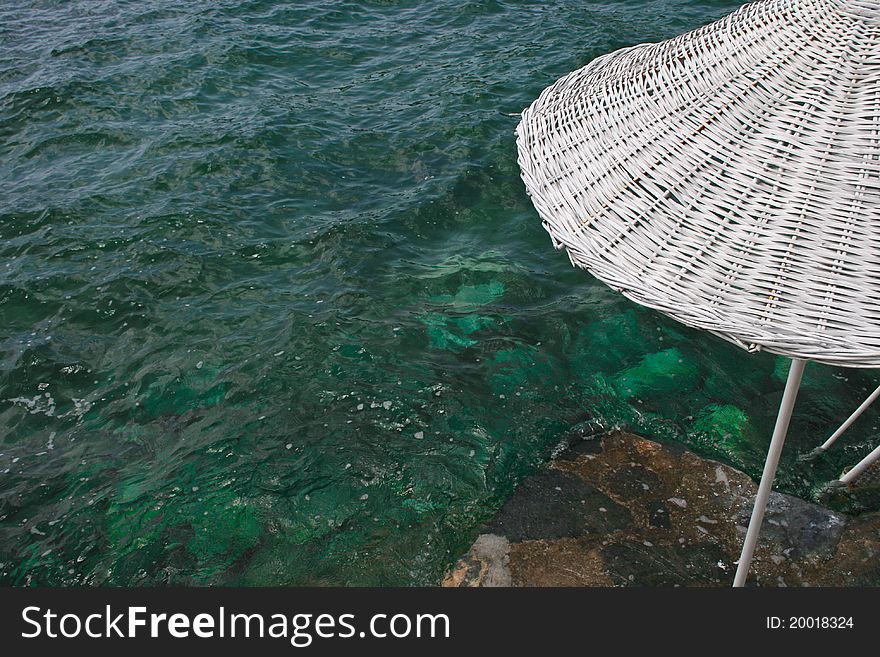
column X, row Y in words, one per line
column 275, row 309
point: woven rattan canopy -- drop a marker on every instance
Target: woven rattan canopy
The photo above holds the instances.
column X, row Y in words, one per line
column 729, row 177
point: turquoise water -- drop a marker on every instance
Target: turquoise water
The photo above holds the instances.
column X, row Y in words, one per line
column 275, row 309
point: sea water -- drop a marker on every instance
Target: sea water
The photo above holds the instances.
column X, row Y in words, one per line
column 275, row 308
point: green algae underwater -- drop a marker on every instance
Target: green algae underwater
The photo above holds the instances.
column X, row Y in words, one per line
column 276, row 310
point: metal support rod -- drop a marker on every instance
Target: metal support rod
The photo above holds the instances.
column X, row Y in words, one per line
column 859, row 468
column 852, row 418
column 795, row 373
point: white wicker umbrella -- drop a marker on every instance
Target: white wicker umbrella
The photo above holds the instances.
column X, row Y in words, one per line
column 730, row 178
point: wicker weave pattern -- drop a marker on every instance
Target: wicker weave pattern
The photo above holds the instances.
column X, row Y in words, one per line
column 729, row 177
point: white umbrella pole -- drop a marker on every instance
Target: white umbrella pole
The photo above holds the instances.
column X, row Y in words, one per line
column 795, row 373
column 852, row 418
column 859, row 468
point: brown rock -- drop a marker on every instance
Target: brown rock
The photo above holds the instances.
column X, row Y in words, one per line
column 564, row 562
column 621, row 510
column 484, row 565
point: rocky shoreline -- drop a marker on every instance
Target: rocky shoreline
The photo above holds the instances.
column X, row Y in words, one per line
column 621, row 510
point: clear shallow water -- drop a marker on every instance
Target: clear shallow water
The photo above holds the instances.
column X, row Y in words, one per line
column 275, row 309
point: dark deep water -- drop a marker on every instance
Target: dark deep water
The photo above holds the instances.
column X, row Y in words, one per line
column 275, row 309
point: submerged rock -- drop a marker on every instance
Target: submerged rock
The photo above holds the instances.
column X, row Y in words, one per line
column 664, row 372
column 620, row 510
column 724, row 428
column 470, row 297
